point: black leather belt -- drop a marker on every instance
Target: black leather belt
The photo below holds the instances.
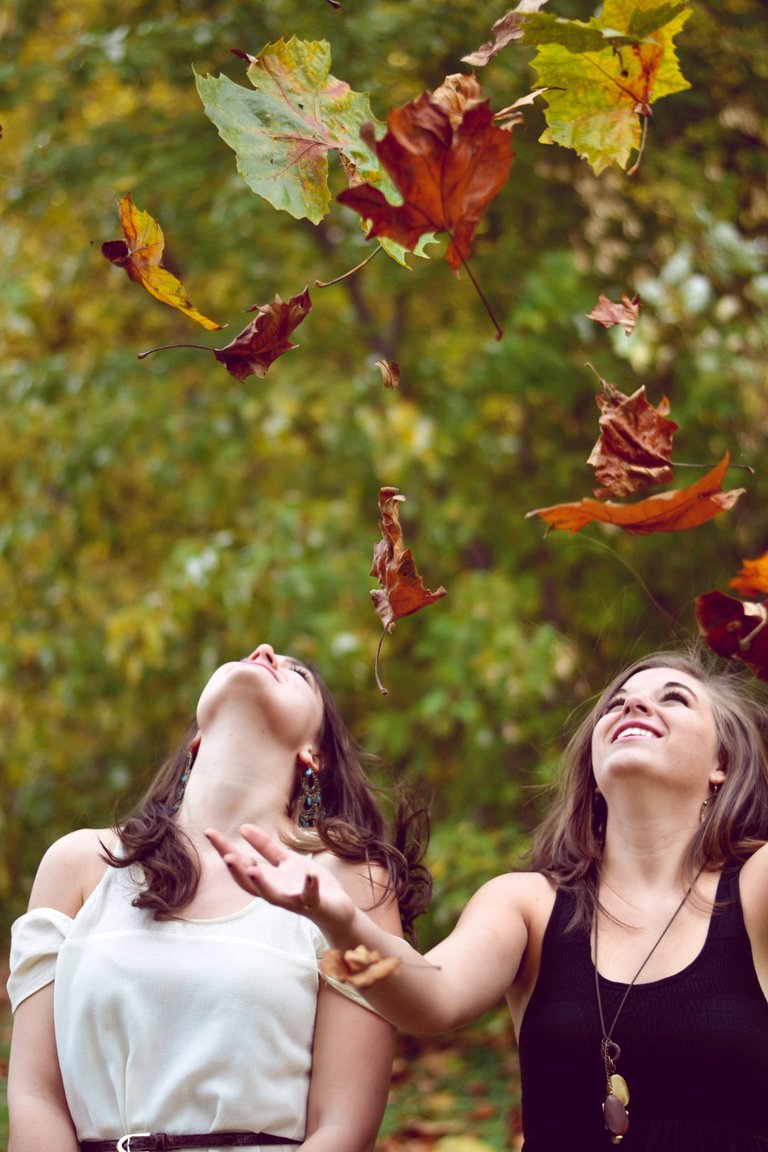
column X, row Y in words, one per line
column 167, row 1142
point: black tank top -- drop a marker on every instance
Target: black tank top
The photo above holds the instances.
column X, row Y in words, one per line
column 694, row 1046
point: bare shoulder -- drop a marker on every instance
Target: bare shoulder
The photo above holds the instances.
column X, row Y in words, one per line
column 754, row 884
column 70, row 870
column 527, row 895
column 366, row 884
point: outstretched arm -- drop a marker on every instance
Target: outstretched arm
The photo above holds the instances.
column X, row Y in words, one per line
column 454, row 983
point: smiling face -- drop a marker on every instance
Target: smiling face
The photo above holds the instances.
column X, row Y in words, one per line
column 278, row 692
column 659, row 721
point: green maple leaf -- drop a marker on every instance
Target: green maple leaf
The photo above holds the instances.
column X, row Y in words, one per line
column 283, row 130
column 605, row 74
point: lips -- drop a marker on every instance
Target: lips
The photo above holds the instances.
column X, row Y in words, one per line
column 634, row 732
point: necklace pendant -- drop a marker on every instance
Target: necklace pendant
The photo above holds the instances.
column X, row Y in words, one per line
column 615, row 1116
column 618, row 1086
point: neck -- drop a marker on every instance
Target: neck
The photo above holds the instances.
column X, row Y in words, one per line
column 237, row 780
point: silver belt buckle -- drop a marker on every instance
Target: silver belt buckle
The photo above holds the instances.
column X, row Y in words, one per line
column 124, row 1143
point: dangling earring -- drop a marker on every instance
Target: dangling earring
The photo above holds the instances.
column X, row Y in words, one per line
column 310, row 798
column 183, row 782
column 711, row 796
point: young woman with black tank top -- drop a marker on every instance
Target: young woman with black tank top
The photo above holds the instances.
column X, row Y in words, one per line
column 634, row 956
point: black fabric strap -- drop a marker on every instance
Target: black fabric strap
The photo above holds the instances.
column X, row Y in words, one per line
column 166, row 1142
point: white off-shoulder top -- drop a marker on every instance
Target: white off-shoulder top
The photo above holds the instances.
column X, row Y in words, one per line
column 175, row 1026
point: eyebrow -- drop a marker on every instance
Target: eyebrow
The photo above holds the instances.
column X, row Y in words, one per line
column 667, row 684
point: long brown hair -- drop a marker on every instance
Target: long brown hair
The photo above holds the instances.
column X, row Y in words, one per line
column 568, row 845
column 353, row 826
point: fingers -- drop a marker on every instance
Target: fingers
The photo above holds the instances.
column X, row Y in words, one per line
column 272, row 850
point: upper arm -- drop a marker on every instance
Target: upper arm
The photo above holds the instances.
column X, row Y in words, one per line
column 351, row 1068
column 481, row 957
column 754, row 899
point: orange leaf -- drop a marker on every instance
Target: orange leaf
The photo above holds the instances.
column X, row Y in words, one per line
column 753, row 578
column 141, row 254
column 635, row 443
column 447, row 159
column 265, row 338
column 666, row 512
column 402, row 591
column 357, row 966
column 607, row 313
column 735, row 629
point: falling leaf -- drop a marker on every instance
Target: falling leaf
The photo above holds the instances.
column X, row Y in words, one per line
column 446, row 172
column 401, row 590
column 606, row 74
column 506, row 117
column 752, row 580
column 666, row 512
column 508, row 28
column 265, row 338
column 735, row 629
column 634, row 448
column 607, row 313
column 357, row 966
column 390, row 371
column 141, row 254
column 261, row 342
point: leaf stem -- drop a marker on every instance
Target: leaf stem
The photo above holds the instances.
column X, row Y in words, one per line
column 478, row 289
column 636, row 166
column 740, row 467
column 165, row 347
column 351, row 272
column 381, row 687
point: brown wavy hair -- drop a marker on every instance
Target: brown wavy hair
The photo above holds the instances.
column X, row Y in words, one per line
column 568, row 845
column 353, row 827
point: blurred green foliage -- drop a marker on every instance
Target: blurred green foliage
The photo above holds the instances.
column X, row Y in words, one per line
column 158, row 517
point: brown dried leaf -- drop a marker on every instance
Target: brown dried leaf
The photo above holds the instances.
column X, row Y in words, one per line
column 508, row 28
column 390, row 372
column 357, row 966
column 607, row 313
column 634, row 448
column 265, row 338
column 666, row 512
column 735, row 629
column 401, row 589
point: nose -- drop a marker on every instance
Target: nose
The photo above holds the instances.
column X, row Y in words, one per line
column 265, row 652
column 635, row 703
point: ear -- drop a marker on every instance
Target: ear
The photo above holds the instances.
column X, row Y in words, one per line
column 717, row 777
column 309, row 758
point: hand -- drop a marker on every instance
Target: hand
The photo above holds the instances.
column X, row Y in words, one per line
column 287, row 879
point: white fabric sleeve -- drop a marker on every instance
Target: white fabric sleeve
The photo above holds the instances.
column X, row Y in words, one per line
column 321, row 947
column 36, row 938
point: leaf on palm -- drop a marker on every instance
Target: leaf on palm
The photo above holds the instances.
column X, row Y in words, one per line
column 359, row 966
column 140, row 253
column 608, row 313
column 634, row 448
column 401, row 591
column 667, row 512
column 447, row 159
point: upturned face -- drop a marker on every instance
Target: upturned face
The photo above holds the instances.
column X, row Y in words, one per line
column 660, row 723
column 278, row 691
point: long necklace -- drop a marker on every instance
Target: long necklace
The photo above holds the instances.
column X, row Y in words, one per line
column 615, row 1112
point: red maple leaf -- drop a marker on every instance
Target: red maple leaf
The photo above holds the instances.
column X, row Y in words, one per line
column 634, row 448
column 447, row 159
